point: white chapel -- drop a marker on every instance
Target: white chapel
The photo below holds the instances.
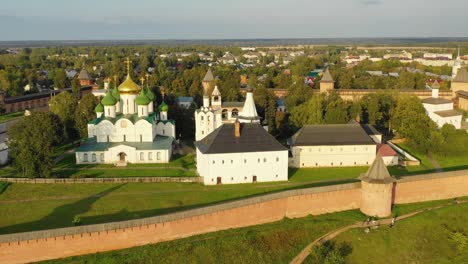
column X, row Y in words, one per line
column 127, row 128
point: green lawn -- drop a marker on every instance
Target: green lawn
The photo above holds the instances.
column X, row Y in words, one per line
column 425, row 238
column 27, row 207
column 277, row 242
column 7, row 117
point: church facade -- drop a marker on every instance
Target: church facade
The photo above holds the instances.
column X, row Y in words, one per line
column 127, row 129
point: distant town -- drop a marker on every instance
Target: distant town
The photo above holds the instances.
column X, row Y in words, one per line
column 108, row 147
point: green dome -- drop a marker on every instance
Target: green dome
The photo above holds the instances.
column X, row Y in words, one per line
column 150, row 94
column 116, row 94
column 163, row 107
column 142, row 99
column 108, row 99
column 99, row 108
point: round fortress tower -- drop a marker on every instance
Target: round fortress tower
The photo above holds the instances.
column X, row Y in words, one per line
column 377, row 190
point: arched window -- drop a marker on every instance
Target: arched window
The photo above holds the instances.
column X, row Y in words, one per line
column 93, row 157
column 158, row 155
column 85, row 157
column 201, row 118
column 150, row 155
column 102, row 157
column 234, row 113
column 215, row 98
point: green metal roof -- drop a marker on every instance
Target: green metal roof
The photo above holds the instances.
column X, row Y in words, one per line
column 150, row 94
column 142, row 99
column 163, row 107
column 109, row 100
column 158, row 143
column 116, row 94
column 99, row 108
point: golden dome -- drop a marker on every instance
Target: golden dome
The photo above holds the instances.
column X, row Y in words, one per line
column 129, row 86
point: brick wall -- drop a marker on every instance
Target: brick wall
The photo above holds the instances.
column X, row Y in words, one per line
column 64, row 242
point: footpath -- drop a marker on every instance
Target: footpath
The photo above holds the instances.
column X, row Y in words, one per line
column 331, row 235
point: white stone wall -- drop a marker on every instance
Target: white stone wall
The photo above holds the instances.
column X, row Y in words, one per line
column 390, row 160
column 128, row 103
column 123, row 131
column 242, row 167
column 437, row 107
column 206, row 122
column 132, row 156
column 441, row 121
column 167, row 129
column 333, row 156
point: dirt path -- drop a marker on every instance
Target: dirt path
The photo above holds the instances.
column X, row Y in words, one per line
column 306, row 251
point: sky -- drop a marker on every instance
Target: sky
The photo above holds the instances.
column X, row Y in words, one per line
column 230, row 19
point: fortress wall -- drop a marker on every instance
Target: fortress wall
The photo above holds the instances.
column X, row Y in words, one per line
column 435, row 186
column 65, row 242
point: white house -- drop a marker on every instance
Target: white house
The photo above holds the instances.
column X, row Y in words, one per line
column 127, row 129
column 389, row 156
column 184, row 101
column 333, row 146
column 241, row 152
column 441, row 110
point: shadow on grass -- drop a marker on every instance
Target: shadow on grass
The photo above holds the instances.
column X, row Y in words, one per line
column 126, row 215
column 61, row 216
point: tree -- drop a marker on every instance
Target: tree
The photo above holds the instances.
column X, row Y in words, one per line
column 309, row 113
column 410, row 121
column 84, row 112
column 59, row 77
column 63, row 105
column 31, row 142
column 336, row 111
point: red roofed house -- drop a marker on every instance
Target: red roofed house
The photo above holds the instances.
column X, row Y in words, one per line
column 389, row 156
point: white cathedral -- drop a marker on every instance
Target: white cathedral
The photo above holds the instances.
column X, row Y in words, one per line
column 232, row 146
column 127, row 129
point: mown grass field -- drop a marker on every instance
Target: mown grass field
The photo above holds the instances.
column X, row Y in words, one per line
column 425, row 238
column 7, row 117
column 277, row 242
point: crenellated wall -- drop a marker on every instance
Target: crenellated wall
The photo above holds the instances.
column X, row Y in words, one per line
column 65, row 242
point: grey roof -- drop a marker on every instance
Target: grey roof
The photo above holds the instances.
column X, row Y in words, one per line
column 448, row 113
column 253, row 138
column 462, row 93
column 370, row 130
column 84, row 75
column 209, row 76
column 184, row 99
column 377, row 173
column 331, row 135
column 462, row 75
column 158, row 143
column 326, row 77
column 280, row 102
column 432, row 100
column 232, row 104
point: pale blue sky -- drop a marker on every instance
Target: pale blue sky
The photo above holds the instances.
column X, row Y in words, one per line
column 219, row 19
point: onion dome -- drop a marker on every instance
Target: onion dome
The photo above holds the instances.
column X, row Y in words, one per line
column 99, row 108
column 116, row 94
column 163, row 107
column 129, row 86
column 108, row 100
column 142, row 99
column 150, row 95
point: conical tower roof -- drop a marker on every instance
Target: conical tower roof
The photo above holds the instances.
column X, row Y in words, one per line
column 377, row 173
column 326, row 77
column 462, row 76
column 208, row 76
column 84, row 75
